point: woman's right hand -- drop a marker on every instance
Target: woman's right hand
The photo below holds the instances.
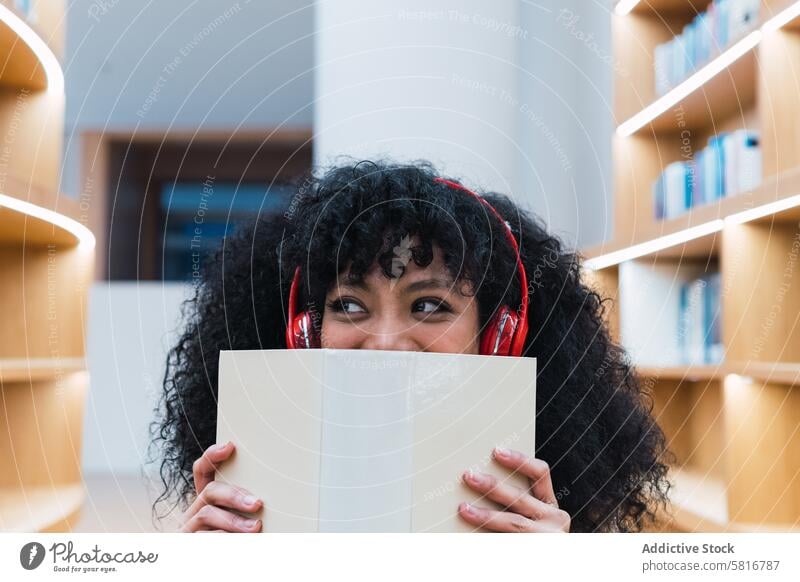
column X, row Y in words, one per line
column 210, row 510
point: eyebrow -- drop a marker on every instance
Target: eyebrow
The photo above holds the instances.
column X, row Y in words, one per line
column 421, row 285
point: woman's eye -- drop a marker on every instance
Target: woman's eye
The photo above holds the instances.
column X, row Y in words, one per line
column 346, row 306
column 430, row 306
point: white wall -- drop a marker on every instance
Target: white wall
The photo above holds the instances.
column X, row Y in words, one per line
column 566, row 86
column 419, row 79
column 511, row 95
column 131, row 327
column 189, row 64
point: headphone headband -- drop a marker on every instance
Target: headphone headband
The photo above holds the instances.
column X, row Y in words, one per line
column 522, row 331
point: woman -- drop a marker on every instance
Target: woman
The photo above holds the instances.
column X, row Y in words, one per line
column 394, row 258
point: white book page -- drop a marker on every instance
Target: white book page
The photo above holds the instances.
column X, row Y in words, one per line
column 370, row 441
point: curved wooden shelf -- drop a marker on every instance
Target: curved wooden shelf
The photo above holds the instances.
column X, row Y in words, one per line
column 20, row 370
column 56, row 218
column 40, row 509
column 20, row 67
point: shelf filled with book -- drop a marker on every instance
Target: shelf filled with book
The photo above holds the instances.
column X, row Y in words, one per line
column 729, row 407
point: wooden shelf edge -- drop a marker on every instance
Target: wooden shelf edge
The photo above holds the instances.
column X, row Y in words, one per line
column 16, row 370
column 41, row 508
column 700, row 507
column 772, row 190
column 24, row 68
column 731, row 72
column 670, row 7
column 33, row 226
column 771, row 372
column 688, row 373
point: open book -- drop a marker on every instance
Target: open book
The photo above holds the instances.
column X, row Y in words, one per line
column 370, row 441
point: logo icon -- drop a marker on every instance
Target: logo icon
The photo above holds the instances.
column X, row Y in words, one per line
column 401, row 257
column 31, row 555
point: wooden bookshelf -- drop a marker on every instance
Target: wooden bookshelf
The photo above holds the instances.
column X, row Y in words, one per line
column 734, row 427
column 46, row 258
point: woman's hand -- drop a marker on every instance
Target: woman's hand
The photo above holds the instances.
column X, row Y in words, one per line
column 532, row 510
column 210, row 509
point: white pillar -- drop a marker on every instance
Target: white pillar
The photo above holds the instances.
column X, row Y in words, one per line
column 431, row 79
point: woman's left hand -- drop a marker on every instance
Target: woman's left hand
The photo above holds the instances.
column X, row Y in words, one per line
column 526, row 511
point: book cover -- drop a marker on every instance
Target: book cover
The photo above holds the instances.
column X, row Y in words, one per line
column 749, row 160
column 675, row 183
column 370, row 441
column 714, row 350
column 730, row 165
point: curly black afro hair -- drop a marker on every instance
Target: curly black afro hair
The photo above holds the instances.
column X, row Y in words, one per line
column 594, row 424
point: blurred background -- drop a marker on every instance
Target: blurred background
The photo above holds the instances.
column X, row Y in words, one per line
column 512, row 96
column 659, row 138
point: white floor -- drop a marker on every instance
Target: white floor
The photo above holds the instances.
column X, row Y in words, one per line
column 120, row 503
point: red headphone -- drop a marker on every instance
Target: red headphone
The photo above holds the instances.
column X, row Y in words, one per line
column 504, row 334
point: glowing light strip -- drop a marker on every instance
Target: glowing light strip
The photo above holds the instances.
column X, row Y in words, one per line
column 48, row 61
column 624, row 7
column 84, row 235
column 654, row 245
column 690, row 85
column 764, row 210
column 782, row 18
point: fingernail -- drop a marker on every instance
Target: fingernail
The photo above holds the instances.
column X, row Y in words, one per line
column 503, row 452
column 476, row 477
column 250, row 500
column 250, row 523
column 470, row 509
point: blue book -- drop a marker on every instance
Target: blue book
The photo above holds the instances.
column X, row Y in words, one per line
column 713, row 350
column 688, row 191
column 703, row 38
column 716, row 165
column 698, row 193
column 723, row 21
column 659, row 198
column 683, row 321
column 675, row 183
column 678, row 60
column 688, row 49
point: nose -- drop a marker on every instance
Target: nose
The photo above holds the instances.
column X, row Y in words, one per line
column 388, row 334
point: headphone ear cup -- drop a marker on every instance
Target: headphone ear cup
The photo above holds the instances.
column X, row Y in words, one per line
column 497, row 338
column 302, row 332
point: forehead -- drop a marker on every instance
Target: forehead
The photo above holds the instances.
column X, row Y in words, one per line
column 402, row 266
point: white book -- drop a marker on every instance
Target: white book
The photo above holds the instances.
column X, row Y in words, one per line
column 370, row 441
column 661, row 66
column 675, row 183
column 742, row 18
column 730, row 156
column 694, row 328
column 748, row 156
